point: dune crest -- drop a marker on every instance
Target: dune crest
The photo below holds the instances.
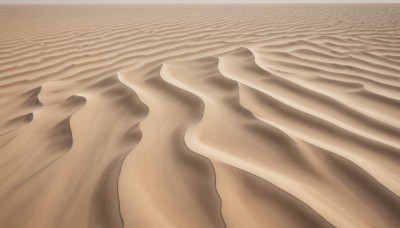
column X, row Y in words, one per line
column 200, row 116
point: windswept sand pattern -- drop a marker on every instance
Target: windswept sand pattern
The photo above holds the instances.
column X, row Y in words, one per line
column 200, row 116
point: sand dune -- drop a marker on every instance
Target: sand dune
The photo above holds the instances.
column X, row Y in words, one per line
column 200, row 116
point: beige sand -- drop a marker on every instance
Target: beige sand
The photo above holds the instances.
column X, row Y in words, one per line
column 200, row 116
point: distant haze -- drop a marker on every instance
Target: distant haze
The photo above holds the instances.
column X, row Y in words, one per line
column 186, row 1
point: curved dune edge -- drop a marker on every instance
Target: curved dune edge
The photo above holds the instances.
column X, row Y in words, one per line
column 213, row 116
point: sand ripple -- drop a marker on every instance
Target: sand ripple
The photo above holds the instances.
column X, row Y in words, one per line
column 212, row 116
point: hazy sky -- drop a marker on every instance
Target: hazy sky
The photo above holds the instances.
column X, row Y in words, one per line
column 196, row 1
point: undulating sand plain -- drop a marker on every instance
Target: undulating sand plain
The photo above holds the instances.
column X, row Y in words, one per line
column 239, row 116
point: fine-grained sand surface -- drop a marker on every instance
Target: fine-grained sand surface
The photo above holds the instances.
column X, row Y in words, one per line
column 200, row 116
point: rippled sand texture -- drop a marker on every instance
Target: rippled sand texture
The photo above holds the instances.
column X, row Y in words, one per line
column 200, row 116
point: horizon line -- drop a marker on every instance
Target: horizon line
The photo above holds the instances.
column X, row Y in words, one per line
column 196, row 3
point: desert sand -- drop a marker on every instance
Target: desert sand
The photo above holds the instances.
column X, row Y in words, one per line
column 172, row 116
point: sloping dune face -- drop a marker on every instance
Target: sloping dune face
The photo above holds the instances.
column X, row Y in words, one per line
column 200, row 116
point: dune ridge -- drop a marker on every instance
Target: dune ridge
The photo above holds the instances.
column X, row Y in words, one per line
column 200, row 116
